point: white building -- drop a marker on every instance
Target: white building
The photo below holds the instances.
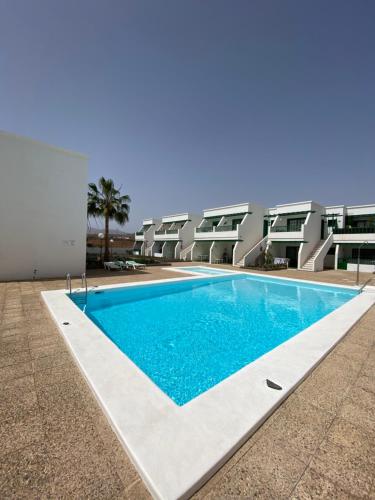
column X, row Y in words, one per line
column 174, row 235
column 310, row 236
column 352, row 227
column 144, row 238
column 43, row 207
column 314, row 237
column 225, row 234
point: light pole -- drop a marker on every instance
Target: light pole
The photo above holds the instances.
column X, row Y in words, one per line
column 101, row 237
column 111, row 241
column 359, row 259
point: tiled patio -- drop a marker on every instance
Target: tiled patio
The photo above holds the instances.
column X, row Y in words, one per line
column 56, row 442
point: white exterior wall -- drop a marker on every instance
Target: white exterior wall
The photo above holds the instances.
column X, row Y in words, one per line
column 250, row 232
column 311, row 234
column 43, row 207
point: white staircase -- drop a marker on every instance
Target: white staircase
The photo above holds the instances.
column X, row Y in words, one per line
column 184, row 254
column 309, row 264
column 255, row 251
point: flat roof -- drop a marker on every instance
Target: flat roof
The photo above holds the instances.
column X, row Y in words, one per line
column 44, row 144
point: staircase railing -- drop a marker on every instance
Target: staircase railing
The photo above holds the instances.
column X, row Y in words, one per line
column 69, row 283
column 255, row 249
column 318, row 260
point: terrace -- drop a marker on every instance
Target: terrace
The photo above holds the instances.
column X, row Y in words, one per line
column 56, row 441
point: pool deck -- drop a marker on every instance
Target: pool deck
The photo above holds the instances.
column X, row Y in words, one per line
column 55, row 442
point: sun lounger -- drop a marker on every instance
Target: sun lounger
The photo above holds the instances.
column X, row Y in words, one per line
column 134, row 265
column 114, row 266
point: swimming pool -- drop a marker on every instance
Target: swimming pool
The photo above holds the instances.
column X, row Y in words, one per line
column 201, row 270
column 165, row 439
column 187, row 336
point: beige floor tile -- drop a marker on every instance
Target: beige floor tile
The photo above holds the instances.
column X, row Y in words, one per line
column 313, row 486
column 12, row 372
column 344, row 466
column 300, row 428
column 15, row 435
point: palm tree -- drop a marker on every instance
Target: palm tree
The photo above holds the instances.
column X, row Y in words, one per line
column 104, row 200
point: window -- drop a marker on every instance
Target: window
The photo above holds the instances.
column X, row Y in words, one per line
column 332, row 222
column 235, row 223
column 294, row 224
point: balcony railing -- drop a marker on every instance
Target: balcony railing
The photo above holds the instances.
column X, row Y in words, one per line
column 167, row 231
column 353, row 230
column 139, row 233
column 286, row 229
column 225, row 228
column 204, row 229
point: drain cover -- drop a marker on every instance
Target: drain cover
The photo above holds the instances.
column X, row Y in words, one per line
column 273, row 385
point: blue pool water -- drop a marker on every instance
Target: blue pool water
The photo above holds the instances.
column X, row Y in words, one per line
column 204, row 270
column 189, row 335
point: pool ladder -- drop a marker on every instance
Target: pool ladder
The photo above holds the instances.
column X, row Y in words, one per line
column 364, row 284
column 78, row 300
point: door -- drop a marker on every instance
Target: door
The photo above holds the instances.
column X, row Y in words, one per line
column 265, row 228
column 291, row 253
column 322, row 229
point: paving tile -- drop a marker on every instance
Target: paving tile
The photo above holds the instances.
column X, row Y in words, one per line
column 59, row 396
column 92, row 479
column 138, row 491
column 56, row 374
column 300, row 428
column 15, row 435
column 26, row 473
column 46, row 341
column 263, row 472
column 9, row 347
column 12, row 372
column 18, row 386
column 47, row 362
column 344, row 466
column 352, row 350
column 327, row 386
column 356, row 410
column 370, row 361
column 361, row 335
column 344, row 433
column 313, row 486
column 15, row 358
column 47, row 350
column 15, row 407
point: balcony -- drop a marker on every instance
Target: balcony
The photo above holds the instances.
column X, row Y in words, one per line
column 167, row 234
column 139, row 236
column 354, row 230
column 217, row 233
column 354, row 234
column 286, row 233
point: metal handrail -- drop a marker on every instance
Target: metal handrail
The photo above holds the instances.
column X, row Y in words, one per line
column 354, row 230
column 69, row 283
column 84, row 281
column 364, row 284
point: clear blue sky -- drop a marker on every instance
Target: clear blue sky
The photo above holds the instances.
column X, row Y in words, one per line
column 197, row 104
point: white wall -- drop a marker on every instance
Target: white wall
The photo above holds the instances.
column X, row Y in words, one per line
column 311, row 233
column 250, row 232
column 43, row 193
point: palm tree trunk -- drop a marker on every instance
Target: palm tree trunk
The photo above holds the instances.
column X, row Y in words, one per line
column 106, row 239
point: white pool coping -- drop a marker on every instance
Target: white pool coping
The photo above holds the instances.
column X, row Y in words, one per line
column 177, row 448
column 185, row 270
